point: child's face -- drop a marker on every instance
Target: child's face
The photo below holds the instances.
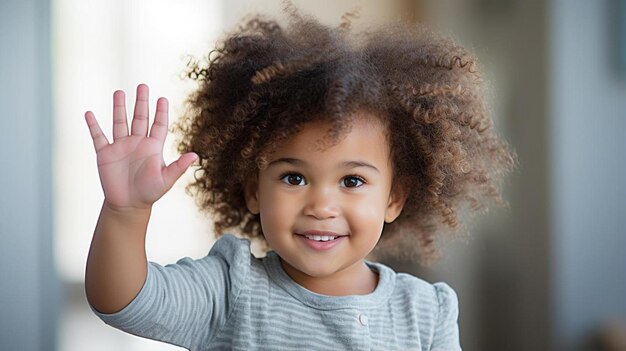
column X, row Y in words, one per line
column 343, row 191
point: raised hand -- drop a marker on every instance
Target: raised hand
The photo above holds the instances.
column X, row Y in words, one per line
column 132, row 171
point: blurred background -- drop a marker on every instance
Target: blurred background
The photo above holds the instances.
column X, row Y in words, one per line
column 549, row 273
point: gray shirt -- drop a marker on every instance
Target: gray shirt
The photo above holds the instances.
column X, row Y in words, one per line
column 233, row 300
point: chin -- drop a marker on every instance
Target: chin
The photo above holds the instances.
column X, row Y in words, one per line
column 317, row 272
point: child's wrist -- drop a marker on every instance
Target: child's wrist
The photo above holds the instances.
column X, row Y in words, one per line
column 127, row 212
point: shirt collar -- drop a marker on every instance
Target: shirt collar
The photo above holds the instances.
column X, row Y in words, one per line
column 380, row 295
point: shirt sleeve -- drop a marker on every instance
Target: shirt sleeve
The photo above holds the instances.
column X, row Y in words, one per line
column 186, row 303
column 446, row 336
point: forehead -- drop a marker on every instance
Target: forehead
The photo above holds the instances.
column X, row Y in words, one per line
column 365, row 136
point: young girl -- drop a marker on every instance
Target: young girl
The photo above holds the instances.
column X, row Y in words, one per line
column 320, row 144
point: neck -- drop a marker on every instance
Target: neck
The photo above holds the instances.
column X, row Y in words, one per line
column 357, row 279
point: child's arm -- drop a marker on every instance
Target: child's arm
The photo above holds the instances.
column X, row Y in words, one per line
column 133, row 175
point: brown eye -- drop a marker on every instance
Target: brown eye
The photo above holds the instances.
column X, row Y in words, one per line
column 352, row 182
column 293, row 179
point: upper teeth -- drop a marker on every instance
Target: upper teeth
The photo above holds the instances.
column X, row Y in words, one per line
column 320, row 237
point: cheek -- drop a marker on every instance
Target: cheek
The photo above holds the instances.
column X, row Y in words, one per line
column 276, row 209
column 370, row 210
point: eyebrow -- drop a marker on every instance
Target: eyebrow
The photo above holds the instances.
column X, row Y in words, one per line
column 346, row 164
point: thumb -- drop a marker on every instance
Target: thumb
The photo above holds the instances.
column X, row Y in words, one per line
column 176, row 169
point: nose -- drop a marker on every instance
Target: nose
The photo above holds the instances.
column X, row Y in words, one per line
column 321, row 203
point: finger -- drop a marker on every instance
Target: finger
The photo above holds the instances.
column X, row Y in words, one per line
column 140, row 116
column 159, row 126
column 99, row 139
column 120, row 125
column 177, row 168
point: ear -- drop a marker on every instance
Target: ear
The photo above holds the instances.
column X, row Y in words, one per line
column 252, row 196
column 397, row 199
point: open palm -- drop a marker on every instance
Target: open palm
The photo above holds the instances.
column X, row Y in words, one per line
column 132, row 171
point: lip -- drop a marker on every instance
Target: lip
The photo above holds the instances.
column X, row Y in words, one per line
column 319, row 232
column 320, row 245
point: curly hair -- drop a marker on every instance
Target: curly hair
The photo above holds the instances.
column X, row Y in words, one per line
column 264, row 81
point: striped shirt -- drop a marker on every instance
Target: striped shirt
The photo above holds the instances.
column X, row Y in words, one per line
column 233, row 300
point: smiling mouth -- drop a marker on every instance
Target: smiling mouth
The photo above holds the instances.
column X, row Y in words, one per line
column 320, row 241
column 317, row 235
column 321, row 237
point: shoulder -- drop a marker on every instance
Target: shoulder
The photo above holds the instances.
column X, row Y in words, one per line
column 437, row 293
column 228, row 244
column 439, row 297
column 436, row 304
column 410, row 287
column 230, row 247
column 437, row 300
column 234, row 254
column 447, row 300
column 225, row 267
column 228, row 252
column 416, row 291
